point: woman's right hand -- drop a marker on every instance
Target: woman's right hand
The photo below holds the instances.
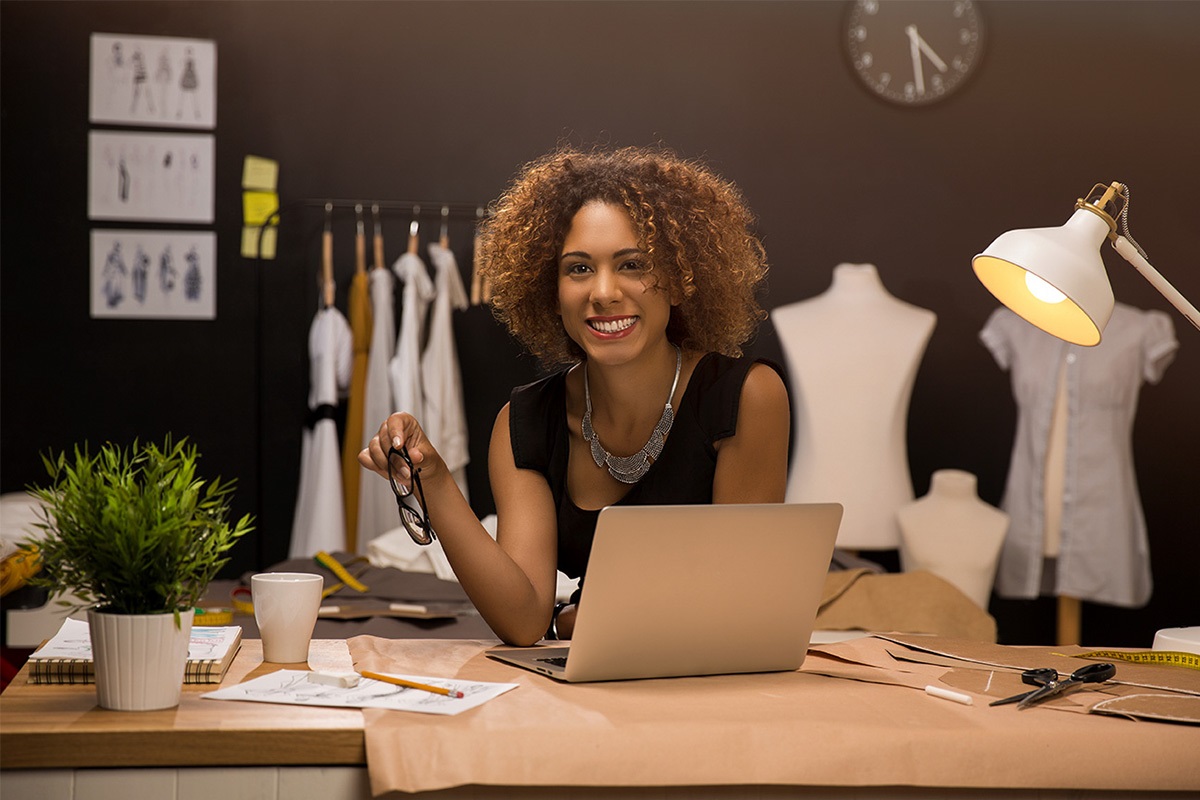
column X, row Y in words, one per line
column 401, row 430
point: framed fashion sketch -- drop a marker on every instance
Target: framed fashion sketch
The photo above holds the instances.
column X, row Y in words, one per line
column 164, row 177
column 160, row 81
column 153, row 274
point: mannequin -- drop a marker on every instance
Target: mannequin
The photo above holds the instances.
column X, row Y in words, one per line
column 953, row 534
column 852, row 355
column 1071, row 491
column 1070, row 609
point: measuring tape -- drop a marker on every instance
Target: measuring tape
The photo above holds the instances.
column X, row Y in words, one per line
column 213, row 616
column 330, row 563
column 241, row 597
column 1169, row 658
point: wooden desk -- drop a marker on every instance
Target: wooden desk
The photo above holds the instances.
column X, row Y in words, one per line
column 61, row 726
column 55, row 741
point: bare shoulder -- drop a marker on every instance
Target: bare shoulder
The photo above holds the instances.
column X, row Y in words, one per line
column 752, row 464
column 763, row 390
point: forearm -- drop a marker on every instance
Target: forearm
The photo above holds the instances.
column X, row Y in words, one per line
column 499, row 588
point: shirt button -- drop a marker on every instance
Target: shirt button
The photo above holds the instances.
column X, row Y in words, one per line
column 1070, row 358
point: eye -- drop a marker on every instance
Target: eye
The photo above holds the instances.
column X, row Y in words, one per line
column 576, row 268
column 634, row 265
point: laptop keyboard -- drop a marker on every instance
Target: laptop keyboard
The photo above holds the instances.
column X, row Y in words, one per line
column 558, row 661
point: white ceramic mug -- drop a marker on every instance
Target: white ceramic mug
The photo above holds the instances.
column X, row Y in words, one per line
column 285, row 608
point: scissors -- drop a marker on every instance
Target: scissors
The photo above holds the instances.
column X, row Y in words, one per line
column 1046, row 679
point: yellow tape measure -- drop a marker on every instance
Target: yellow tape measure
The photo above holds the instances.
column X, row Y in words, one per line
column 331, row 564
column 1166, row 658
column 242, row 599
column 213, row 616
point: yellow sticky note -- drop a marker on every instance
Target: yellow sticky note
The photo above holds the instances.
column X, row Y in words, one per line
column 256, row 246
column 259, row 173
column 257, row 207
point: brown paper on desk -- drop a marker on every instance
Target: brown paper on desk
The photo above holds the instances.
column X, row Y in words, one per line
column 1152, row 676
column 781, row 729
column 1174, row 695
column 859, row 600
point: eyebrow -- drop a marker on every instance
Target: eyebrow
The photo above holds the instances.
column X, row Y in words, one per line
column 619, row 254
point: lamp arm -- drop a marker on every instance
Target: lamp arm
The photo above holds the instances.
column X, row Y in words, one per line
column 1130, row 253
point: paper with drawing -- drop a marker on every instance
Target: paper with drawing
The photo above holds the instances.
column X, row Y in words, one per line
column 294, row 688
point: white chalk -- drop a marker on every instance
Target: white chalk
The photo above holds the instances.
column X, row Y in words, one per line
column 946, row 694
column 343, row 680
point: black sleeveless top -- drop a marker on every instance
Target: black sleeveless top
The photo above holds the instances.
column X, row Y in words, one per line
column 683, row 474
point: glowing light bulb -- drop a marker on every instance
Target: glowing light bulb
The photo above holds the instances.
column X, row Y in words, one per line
column 1042, row 290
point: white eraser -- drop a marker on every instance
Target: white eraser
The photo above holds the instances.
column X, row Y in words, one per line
column 946, row 694
column 410, row 607
column 343, row 680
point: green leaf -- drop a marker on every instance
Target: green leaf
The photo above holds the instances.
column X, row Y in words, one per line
column 133, row 529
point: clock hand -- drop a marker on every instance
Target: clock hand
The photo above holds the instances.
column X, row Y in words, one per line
column 914, row 47
column 927, row 50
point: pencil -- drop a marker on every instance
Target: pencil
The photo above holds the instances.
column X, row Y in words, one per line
column 410, row 684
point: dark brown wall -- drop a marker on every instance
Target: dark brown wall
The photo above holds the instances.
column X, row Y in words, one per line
column 443, row 100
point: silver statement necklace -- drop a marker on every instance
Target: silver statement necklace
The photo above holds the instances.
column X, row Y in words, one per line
column 630, row 469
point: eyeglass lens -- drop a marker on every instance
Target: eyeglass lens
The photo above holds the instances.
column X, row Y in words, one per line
column 414, row 520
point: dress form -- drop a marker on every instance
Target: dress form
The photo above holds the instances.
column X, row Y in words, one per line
column 1071, row 492
column 1070, row 611
column 953, row 534
column 852, row 355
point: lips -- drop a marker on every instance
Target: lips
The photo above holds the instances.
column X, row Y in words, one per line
column 611, row 327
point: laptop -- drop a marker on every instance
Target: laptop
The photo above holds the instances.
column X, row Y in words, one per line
column 677, row 591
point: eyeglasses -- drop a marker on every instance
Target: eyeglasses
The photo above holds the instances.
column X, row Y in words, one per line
column 415, row 519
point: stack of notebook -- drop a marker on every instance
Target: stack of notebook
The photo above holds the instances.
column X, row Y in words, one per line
column 67, row 658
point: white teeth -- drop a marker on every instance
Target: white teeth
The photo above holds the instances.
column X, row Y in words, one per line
column 613, row 326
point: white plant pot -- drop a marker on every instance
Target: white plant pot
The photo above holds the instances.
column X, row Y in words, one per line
column 139, row 658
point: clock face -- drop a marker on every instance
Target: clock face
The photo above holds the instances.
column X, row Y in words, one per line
column 913, row 52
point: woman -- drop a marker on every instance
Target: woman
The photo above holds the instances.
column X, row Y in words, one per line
column 634, row 272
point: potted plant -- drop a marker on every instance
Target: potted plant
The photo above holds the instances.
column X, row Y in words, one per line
column 136, row 536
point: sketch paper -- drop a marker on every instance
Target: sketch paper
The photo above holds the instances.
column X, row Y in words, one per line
column 162, row 81
column 293, row 687
column 154, row 274
column 148, row 176
column 74, row 640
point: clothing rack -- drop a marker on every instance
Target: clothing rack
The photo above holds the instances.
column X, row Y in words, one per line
column 418, row 209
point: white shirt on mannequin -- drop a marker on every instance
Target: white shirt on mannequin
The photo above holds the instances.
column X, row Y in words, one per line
column 852, row 355
column 953, row 534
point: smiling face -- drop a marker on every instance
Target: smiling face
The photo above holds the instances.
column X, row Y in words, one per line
column 607, row 297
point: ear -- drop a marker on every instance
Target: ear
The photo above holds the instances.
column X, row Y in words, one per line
column 676, row 295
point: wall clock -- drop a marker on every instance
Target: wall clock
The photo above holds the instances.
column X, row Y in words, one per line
column 913, row 52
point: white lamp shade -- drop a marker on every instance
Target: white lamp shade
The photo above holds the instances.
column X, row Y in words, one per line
column 1068, row 259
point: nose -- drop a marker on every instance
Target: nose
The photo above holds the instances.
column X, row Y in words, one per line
column 606, row 288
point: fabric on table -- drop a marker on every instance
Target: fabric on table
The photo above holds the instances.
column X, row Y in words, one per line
column 916, row 602
column 745, row 730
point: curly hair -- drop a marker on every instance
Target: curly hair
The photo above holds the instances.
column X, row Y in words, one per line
column 694, row 225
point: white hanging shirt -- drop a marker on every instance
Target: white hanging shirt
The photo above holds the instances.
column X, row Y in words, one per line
column 376, row 503
column 320, row 522
column 445, row 421
column 1104, row 554
column 405, row 367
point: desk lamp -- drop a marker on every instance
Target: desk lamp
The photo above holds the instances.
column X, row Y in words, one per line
column 1055, row 277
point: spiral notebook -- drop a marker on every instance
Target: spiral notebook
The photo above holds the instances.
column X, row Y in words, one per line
column 67, row 658
column 694, row 590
